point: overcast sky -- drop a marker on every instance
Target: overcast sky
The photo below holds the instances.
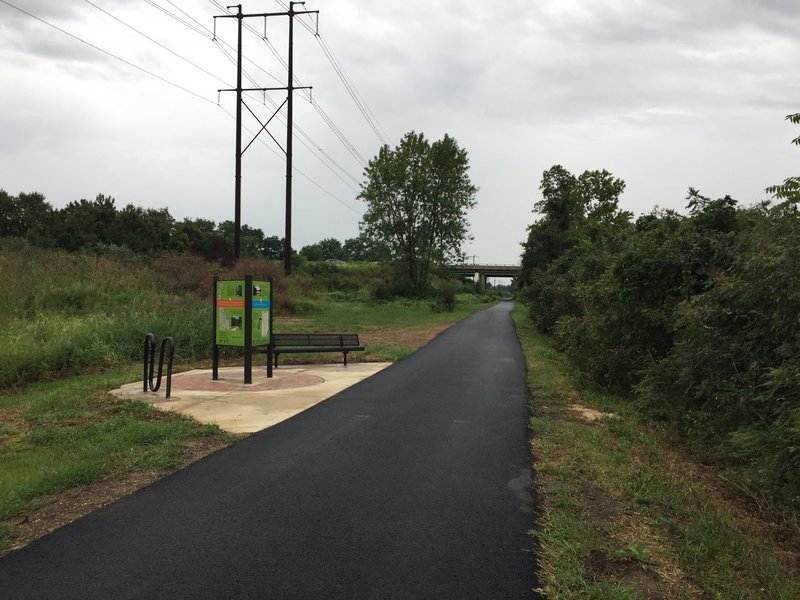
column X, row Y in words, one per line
column 665, row 95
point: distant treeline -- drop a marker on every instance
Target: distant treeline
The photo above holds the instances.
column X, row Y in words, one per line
column 696, row 316
column 98, row 224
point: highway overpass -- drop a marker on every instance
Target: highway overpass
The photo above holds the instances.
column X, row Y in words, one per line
column 484, row 271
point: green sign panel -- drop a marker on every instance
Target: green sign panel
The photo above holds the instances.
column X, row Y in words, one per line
column 230, row 307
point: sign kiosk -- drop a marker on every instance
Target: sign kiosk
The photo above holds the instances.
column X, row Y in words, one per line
column 242, row 318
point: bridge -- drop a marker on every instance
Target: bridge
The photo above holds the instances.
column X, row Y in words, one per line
column 484, row 271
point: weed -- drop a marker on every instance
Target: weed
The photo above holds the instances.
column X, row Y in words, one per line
column 638, row 553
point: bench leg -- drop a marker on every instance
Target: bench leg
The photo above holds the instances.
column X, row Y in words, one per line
column 345, row 357
column 276, row 359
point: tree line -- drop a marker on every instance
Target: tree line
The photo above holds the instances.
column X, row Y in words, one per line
column 694, row 316
column 97, row 224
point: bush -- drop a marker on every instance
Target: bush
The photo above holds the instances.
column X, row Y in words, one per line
column 444, row 295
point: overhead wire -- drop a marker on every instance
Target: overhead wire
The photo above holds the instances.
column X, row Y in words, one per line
column 314, row 148
column 112, row 55
column 205, row 32
column 181, row 21
column 361, row 104
column 156, row 42
column 354, row 93
column 156, row 76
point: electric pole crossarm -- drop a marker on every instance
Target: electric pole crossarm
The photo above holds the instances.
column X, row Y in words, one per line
column 266, row 89
column 275, row 14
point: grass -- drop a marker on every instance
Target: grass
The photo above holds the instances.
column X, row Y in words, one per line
column 63, row 313
column 365, row 316
column 62, row 434
column 625, row 513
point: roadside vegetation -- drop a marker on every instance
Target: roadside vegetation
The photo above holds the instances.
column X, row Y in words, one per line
column 625, row 510
column 692, row 317
column 665, row 373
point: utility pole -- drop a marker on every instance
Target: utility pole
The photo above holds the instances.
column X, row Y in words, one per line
column 237, row 220
column 290, row 88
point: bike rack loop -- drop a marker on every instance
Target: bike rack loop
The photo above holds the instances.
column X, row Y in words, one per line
column 149, row 362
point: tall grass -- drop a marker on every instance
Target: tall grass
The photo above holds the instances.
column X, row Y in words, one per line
column 61, row 313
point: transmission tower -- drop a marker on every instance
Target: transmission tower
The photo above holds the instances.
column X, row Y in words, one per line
column 289, row 88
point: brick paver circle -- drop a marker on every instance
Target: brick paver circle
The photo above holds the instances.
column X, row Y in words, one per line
column 202, row 382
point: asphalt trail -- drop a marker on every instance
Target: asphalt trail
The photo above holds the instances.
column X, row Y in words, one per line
column 412, row 484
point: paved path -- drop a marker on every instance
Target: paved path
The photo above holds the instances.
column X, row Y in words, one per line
column 411, row 484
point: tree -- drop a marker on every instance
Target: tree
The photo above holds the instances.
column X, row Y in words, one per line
column 362, row 249
column 417, row 199
column 327, row 249
column 194, row 236
column 23, row 215
column 251, row 239
column 85, row 223
column 789, row 190
column 142, row 230
column 272, row 247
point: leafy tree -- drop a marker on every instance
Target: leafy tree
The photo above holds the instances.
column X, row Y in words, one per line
column 363, row 249
column 24, row 215
column 327, row 249
column 789, row 190
column 417, row 197
column 193, row 236
column 142, row 230
column 272, row 247
column 251, row 239
column 84, row 223
column 580, row 225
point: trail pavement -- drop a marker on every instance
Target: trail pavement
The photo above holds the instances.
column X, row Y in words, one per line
column 414, row 483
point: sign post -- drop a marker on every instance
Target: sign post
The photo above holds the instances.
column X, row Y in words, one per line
column 242, row 318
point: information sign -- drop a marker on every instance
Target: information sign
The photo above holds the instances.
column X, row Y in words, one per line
column 230, row 307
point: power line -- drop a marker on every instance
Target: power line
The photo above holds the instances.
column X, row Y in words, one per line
column 157, row 43
column 198, row 23
column 181, row 21
column 351, row 89
column 205, row 32
column 303, row 134
column 361, row 104
column 98, row 48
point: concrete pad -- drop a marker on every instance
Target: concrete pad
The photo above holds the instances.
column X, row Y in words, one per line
column 240, row 408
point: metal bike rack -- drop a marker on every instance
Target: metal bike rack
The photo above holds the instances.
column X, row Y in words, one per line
column 149, row 363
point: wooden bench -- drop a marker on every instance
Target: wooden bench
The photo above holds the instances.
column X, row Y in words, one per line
column 286, row 343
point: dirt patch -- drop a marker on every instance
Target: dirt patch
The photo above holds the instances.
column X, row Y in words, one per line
column 629, row 571
column 590, row 414
column 289, row 320
column 72, row 504
column 407, row 338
